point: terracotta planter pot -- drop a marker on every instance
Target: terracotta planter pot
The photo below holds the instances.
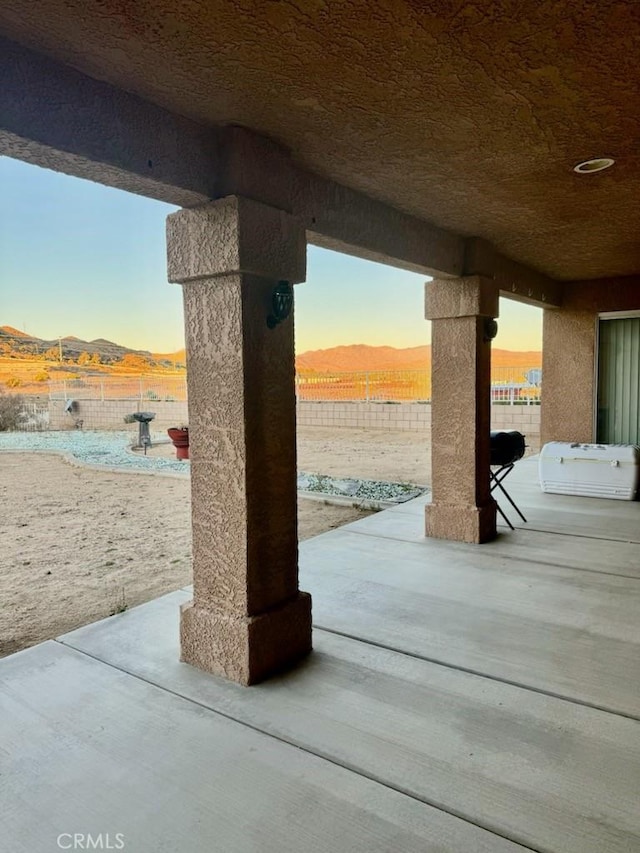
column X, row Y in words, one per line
column 180, row 439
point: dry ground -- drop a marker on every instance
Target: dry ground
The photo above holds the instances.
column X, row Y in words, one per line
column 397, row 456
column 77, row 544
column 369, row 454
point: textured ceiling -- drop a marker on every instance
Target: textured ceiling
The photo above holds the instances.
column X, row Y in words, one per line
column 469, row 114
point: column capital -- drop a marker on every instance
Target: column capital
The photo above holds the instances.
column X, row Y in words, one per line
column 468, row 296
column 235, row 235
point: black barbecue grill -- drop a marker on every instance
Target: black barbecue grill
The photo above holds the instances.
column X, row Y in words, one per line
column 507, row 447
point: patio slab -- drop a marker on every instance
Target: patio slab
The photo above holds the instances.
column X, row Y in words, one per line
column 543, row 772
column 568, row 633
column 93, row 750
column 594, row 518
column 561, row 549
column 460, row 698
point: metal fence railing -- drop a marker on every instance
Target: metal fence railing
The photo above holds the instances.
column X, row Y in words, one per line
column 369, row 386
column 516, row 386
column 509, row 386
column 34, row 417
column 140, row 388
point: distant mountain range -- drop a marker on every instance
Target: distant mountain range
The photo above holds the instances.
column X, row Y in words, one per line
column 354, row 357
column 358, row 357
column 15, row 342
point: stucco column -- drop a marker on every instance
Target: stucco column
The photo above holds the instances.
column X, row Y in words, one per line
column 461, row 310
column 247, row 618
column 568, row 369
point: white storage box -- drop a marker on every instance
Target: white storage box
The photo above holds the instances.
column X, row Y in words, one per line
column 591, row 470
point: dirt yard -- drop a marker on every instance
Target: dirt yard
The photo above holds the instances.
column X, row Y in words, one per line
column 77, row 544
column 367, row 454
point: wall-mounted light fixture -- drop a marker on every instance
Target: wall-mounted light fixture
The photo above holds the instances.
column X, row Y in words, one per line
column 281, row 303
column 489, row 329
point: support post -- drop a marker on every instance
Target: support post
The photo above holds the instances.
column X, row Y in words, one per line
column 247, row 618
column 461, row 310
column 569, row 358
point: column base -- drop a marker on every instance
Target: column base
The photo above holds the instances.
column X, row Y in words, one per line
column 473, row 524
column 246, row 649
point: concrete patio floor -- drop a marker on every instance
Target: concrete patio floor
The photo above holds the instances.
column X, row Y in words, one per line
column 477, row 699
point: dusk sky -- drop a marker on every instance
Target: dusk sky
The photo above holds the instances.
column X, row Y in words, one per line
column 77, row 258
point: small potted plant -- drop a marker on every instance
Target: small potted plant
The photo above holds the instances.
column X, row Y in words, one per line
column 180, row 438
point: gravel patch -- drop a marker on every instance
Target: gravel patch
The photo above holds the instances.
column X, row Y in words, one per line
column 101, row 449
column 359, row 490
column 112, row 450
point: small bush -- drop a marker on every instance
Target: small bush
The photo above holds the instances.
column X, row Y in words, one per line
column 41, row 376
column 13, row 382
column 11, row 411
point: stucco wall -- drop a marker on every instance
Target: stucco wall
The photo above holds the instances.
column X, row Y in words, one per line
column 568, row 365
column 569, row 355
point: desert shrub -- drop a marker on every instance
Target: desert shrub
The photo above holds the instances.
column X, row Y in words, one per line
column 13, row 382
column 41, row 376
column 11, row 411
column 133, row 360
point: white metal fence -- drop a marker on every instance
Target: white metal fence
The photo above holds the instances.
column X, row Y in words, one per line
column 34, row 417
column 516, row 386
column 509, row 386
column 138, row 388
column 370, row 386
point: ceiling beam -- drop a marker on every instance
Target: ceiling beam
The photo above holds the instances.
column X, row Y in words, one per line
column 54, row 116
column 342, row 219
column 514, row 280
column 604, row 295
column 335, row 216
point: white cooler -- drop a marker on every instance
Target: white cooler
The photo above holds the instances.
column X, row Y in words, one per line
column 591, row 470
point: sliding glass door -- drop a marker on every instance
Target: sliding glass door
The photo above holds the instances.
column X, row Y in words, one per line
column 619, row 381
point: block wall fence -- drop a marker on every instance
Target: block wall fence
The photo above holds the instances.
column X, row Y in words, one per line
column 411, row 416
column 109, row 414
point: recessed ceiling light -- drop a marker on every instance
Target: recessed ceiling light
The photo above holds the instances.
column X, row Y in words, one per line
column 595, row 165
